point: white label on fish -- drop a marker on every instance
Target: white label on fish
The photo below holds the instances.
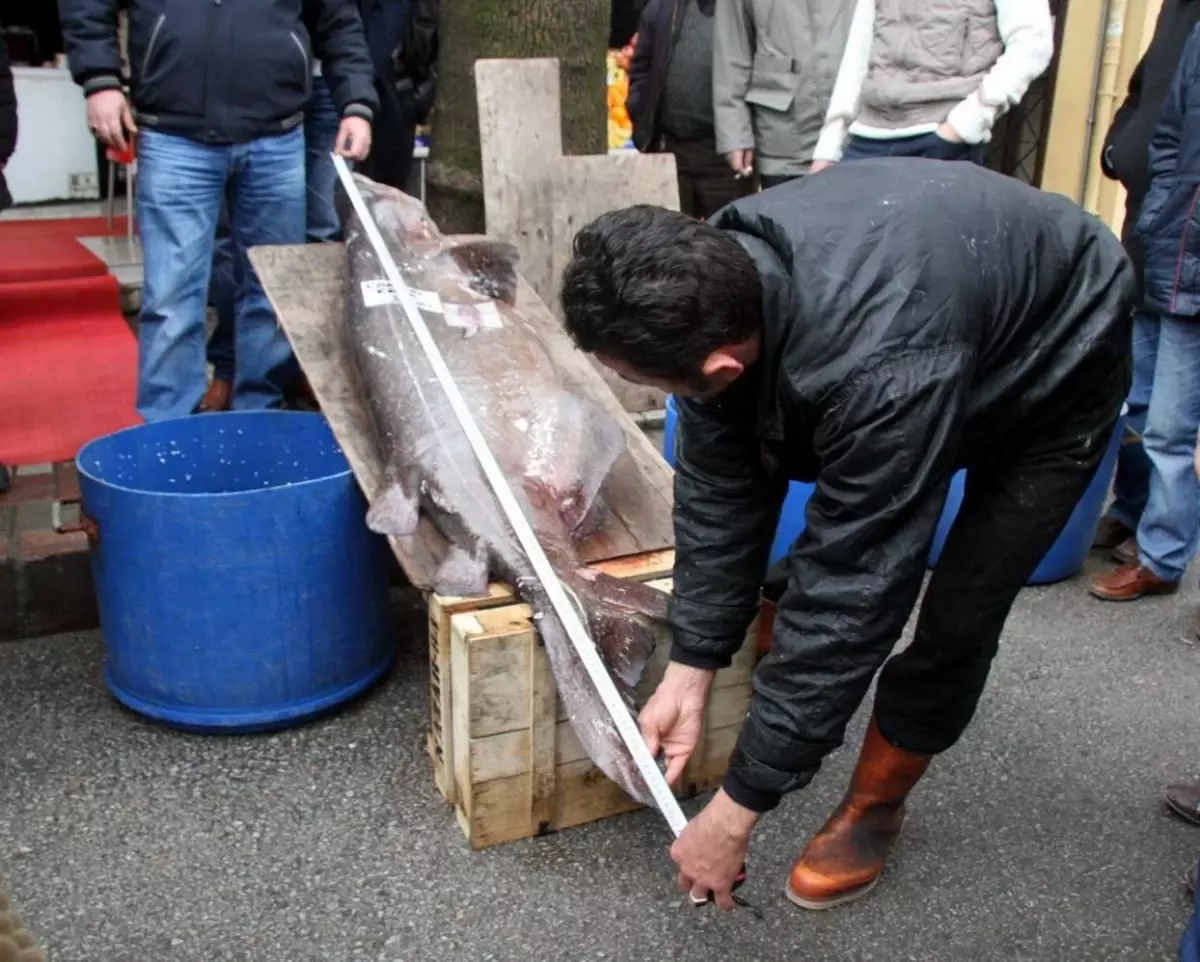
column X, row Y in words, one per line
column 377, row 293
column 472, row 317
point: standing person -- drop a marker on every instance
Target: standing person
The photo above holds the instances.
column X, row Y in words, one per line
column 321, row 225
column 8, row 146
column 774, row 64
column 1167, row 347
column 1125, row 159
column 219, row 93
column 670, row 102
column 921, row 79
column 914, row 336
column 401, row 38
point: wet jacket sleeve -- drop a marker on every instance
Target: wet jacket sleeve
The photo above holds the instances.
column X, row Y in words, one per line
column 733, row 55
column 341, row 46
column 90, row 35
column 726, row 512
column 886, row 448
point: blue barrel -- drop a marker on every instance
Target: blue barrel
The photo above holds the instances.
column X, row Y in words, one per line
column 1062, row 561
column 238, row 585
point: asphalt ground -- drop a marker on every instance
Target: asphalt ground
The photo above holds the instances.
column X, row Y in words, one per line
column 1042, row 836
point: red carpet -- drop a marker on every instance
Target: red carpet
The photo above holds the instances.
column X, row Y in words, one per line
column 67, row 357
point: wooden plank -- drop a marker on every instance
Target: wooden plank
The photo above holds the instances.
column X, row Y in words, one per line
column 520, row 136
column 583, row 189
column 305, row 285
column 543, row 740
column 537, row 199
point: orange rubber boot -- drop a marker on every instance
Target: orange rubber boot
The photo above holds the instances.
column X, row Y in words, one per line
column 216, row 398
column 843, row 861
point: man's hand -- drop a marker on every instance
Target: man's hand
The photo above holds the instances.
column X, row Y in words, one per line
column 711, row 851
column 819, row 165
column 110, row 118
column 742, row 162
column 674, row 716
column 353, row 138
column 948, row 133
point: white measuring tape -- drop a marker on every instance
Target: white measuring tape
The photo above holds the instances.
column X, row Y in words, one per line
column 571, row 622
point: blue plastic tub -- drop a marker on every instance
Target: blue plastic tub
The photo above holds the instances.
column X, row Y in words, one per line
column 1064, row 560
column 239, row 588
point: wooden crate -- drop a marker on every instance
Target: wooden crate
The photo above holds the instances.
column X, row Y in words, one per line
column 646, row 566
column 516, row 766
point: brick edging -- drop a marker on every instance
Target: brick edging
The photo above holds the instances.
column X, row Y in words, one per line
column 45, row 577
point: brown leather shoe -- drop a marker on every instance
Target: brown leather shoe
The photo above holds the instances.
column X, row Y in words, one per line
column 216, row 398
column 1130, row 582
column 1126, row 553
column 1184, row 801
column 1110, row 533
column 843, row 861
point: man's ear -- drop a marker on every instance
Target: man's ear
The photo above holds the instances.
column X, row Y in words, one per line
column 722, row 365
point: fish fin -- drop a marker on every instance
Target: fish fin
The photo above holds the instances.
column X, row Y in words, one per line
column 573, row 445
column 462, row 574
column 626, row 620
column 490, row 268
column 394, row 513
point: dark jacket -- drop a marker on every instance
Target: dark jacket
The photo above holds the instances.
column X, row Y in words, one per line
column 1126, row 147
column 1168, row 226
column 222, row 71
column 415, row 59
column 656, row 36
column 907, row 330
column 8, row 122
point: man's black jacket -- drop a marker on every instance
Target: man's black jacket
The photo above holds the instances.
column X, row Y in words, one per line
column 222, row 71
column 1126, row 147
column 914, row 311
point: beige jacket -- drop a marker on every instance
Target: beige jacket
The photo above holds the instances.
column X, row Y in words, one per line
column 774, row 65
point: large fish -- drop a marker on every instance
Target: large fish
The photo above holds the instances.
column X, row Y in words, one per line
column 554, row 448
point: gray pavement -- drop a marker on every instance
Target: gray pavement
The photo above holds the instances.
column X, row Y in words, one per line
column 1042, row 836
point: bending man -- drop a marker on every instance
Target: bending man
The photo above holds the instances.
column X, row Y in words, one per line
column 872, row 329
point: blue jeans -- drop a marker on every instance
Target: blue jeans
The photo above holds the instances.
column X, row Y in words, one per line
column 922, row 145
column 321, row 123
column 1157, row 492
column 180, row 189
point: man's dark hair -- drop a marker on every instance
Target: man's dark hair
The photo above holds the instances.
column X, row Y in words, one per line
column 659, row 291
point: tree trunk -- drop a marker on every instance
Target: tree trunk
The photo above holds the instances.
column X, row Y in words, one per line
column 574, row 31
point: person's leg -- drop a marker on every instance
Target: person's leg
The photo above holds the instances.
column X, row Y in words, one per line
column 684, row 175
column 1131, row 486
column 1169, row 527
column 179, row 188
column 1013, row 510
column 222, row 296
column 715, row 184
column 391, row 158
column 267, row 199
column 321, row 122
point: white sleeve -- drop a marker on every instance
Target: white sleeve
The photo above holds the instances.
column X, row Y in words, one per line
column 847, row 89
column 1027, row 32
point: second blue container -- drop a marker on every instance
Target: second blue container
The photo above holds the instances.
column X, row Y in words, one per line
column 239, row 588
column 1064, row 560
